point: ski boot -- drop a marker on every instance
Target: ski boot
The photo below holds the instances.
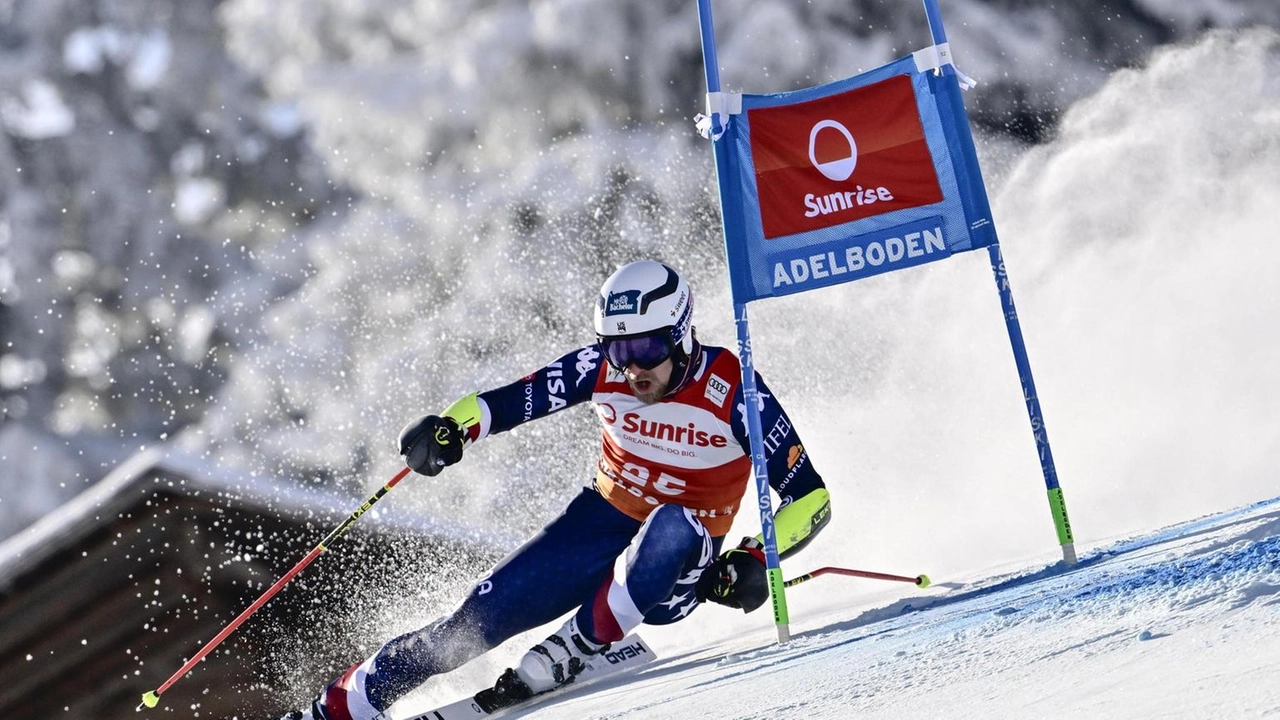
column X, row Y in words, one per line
column 550, row 664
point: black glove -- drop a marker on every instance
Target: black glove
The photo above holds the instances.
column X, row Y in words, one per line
column 737, row 578
column 431, row 443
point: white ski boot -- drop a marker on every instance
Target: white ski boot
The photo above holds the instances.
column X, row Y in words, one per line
column 558, row 659
column 548, row 665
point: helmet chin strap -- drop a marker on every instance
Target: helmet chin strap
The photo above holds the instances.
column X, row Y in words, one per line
column 682, row 366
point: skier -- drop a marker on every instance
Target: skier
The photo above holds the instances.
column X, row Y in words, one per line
column 641, row 543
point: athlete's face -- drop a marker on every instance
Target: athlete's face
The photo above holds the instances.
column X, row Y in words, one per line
column 649, row 385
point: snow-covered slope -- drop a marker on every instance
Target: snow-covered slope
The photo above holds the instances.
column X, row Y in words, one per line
column 1180, row 623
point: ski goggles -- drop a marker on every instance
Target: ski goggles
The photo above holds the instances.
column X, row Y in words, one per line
column 645, row 351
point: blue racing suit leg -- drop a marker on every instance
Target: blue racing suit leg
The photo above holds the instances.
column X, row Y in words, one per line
column 551, row 574
column 654, row 581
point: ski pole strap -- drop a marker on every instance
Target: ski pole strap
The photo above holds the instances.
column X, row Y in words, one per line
column 471, row 414
column 755, row 548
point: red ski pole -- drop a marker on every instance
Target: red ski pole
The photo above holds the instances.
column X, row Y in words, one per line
column 919, row 580
column 152, row 698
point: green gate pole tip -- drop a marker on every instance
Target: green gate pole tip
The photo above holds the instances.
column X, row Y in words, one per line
column 148, row 699
column 922, row 581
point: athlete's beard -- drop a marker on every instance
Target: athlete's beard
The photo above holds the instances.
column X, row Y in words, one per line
column 647, row 390
column 650, row 386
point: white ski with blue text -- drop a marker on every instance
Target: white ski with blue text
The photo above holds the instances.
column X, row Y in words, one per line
column 626, row 654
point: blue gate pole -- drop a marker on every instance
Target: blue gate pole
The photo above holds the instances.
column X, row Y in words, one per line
column 1057, row 504
column 751, row 396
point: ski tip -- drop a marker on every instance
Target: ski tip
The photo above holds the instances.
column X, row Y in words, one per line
column 149, row 700
column 923, row 581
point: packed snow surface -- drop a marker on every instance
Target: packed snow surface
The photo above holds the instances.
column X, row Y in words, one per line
column 1181, row 623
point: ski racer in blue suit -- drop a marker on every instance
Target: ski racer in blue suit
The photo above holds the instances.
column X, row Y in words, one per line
column 641, row 543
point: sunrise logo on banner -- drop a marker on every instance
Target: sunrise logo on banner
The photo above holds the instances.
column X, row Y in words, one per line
column 855, row 178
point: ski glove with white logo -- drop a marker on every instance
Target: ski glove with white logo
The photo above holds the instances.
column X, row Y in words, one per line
column 737, row 578
column 431, row 443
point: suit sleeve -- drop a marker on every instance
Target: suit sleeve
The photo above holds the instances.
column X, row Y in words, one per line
column 562, row 383
column 804, row 502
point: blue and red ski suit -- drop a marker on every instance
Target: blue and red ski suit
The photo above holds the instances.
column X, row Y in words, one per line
column 632, row 545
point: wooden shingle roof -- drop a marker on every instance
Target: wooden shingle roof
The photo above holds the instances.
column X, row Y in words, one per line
column 103, row 599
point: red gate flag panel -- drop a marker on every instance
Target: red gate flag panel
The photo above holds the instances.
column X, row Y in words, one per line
column 840, row 158
column 854, row 178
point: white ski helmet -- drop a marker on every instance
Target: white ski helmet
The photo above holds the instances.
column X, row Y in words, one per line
column 644, row 315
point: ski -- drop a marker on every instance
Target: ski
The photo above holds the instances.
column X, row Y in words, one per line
column 626, row 654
